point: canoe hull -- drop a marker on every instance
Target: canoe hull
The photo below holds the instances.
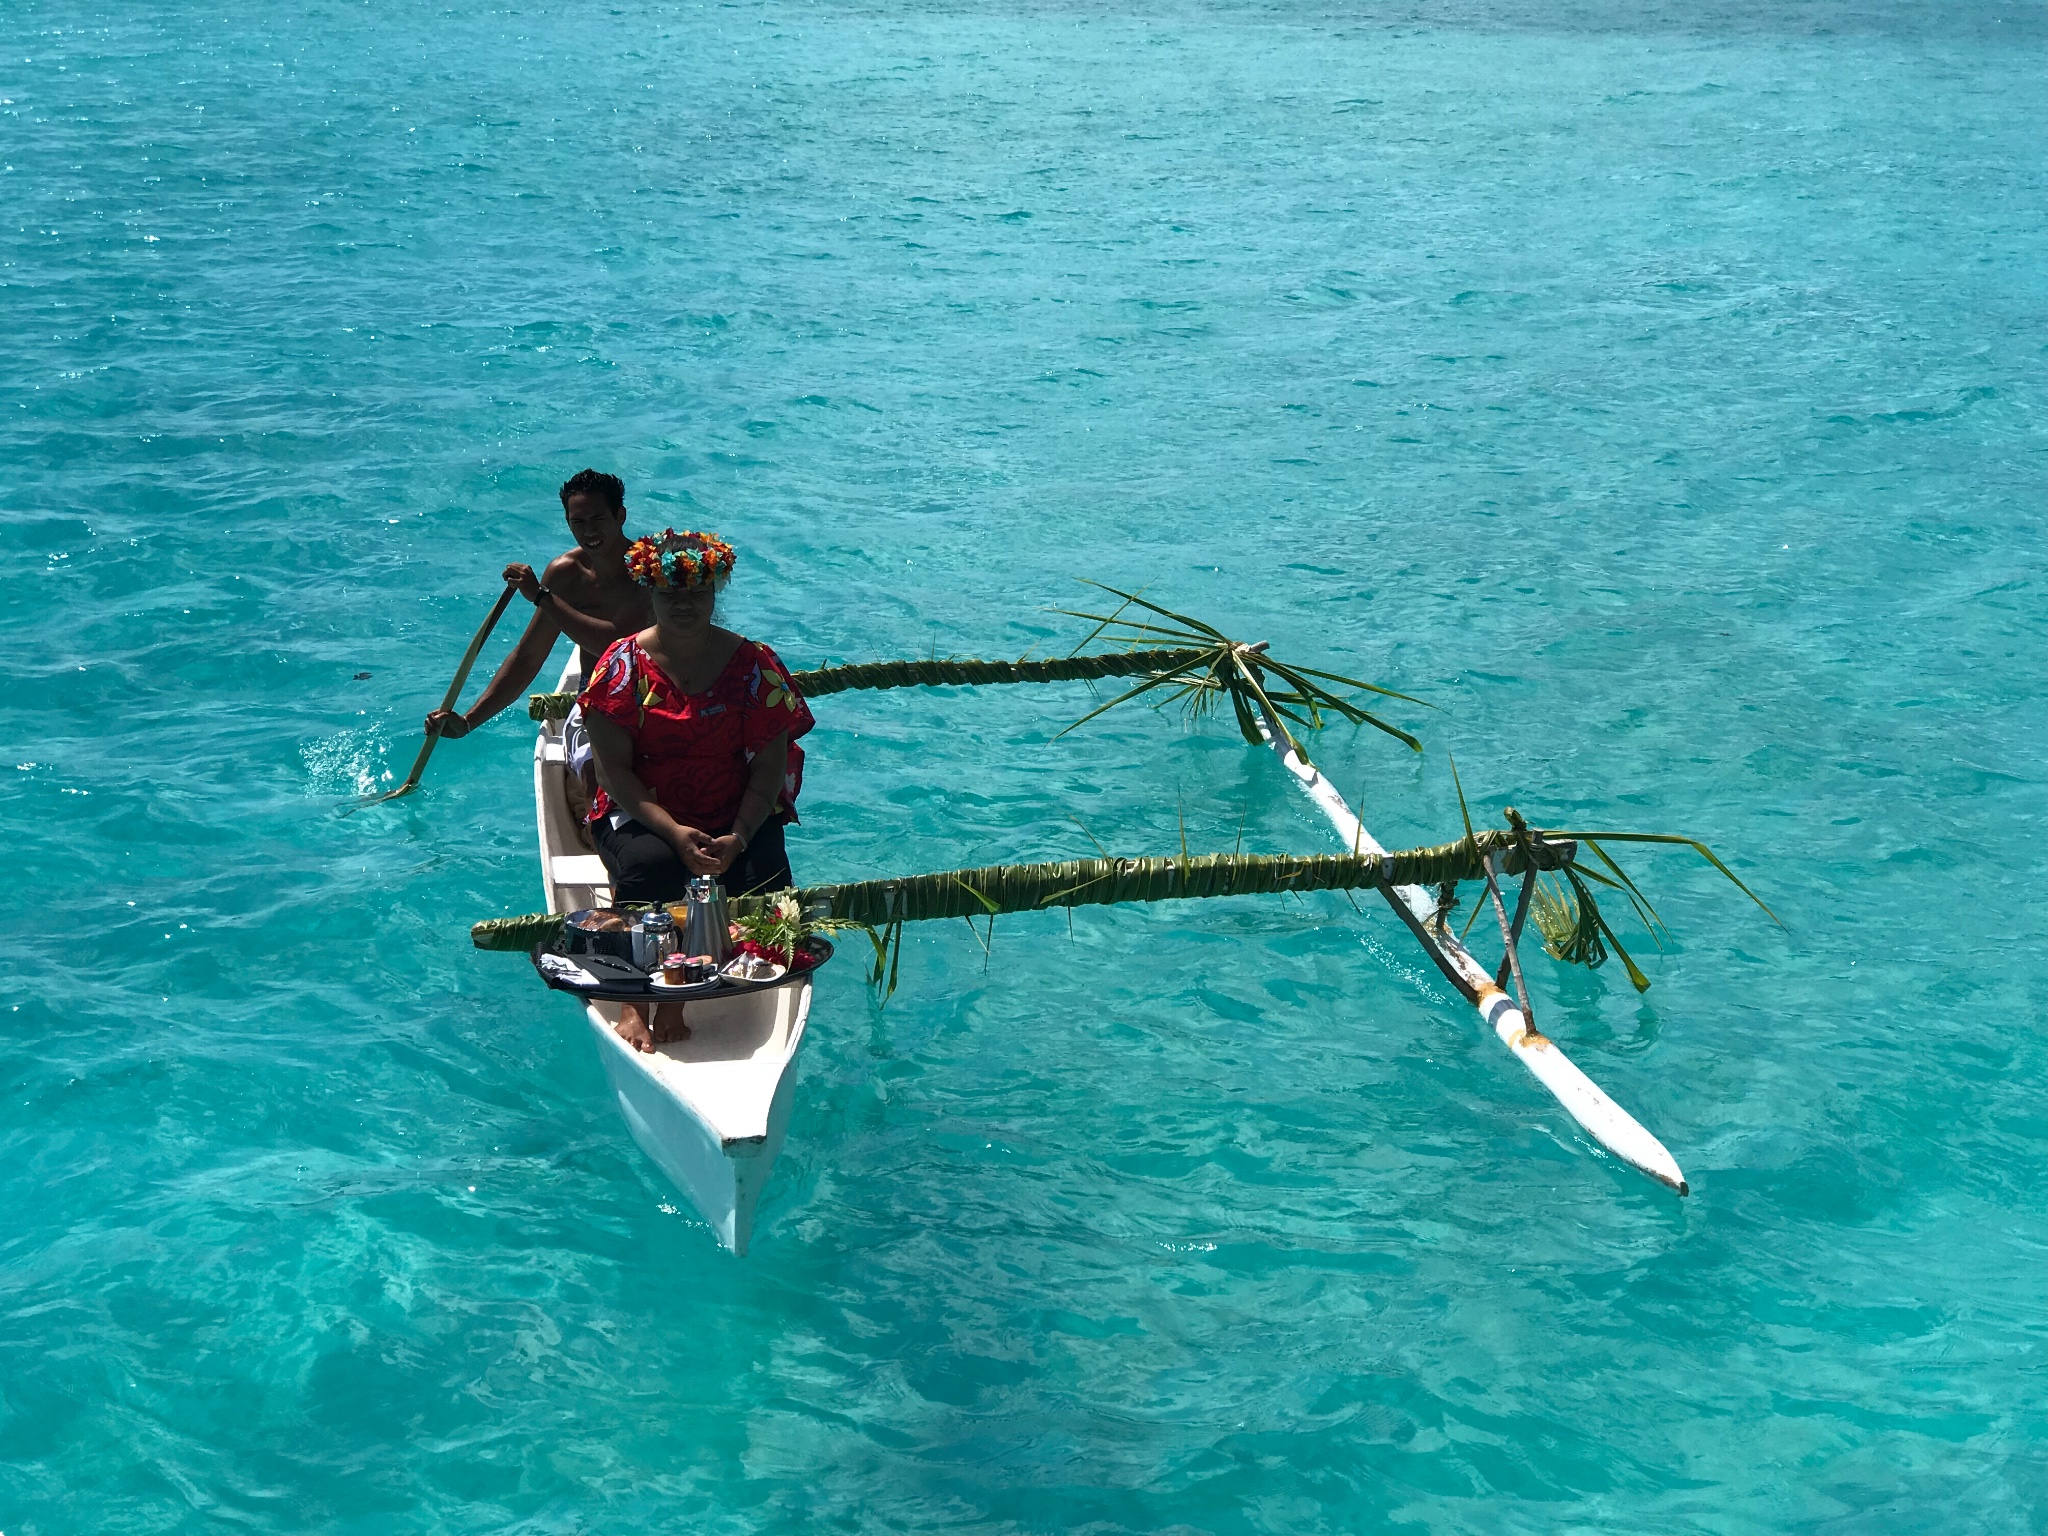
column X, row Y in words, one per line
column 722, row 1178
column 710, row 1111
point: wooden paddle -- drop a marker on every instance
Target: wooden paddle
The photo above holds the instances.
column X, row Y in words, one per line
column 419, row 764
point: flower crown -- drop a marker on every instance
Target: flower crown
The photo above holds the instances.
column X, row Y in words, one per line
column 686, row 559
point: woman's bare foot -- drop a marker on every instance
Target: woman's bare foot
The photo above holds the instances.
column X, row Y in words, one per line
column 632, row 1027
column 668, row 1023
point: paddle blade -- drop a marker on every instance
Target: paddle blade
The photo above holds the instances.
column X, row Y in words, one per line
column 476, row 645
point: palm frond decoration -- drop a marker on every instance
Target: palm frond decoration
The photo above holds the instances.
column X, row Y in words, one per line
column 1555, row 912
column 1217, row 666
column 1573, row 927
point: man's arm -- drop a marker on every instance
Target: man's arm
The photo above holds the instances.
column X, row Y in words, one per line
column 592, row 634
column 510, row 681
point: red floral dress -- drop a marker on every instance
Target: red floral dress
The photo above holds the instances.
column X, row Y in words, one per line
column 694, row 751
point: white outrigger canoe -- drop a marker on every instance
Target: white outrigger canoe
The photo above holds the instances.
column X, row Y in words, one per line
column 710, row 1110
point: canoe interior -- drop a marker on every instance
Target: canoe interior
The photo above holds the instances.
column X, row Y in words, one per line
column 561, row 836
column 729, row 1065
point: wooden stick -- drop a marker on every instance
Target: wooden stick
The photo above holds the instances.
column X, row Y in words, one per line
column 1500, row 977
column 476, row 645
column 1507, row 937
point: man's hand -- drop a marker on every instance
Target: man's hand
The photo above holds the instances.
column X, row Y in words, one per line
column 446, row 722
column 724, row 850
column 522, row 577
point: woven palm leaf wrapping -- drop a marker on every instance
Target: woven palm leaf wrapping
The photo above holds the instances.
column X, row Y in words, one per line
column 951, row 672
column 1002, row 888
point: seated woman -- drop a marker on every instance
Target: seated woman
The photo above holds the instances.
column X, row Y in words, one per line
column 694, row 731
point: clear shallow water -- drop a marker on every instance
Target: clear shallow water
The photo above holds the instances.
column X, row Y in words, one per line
column 1661, row 396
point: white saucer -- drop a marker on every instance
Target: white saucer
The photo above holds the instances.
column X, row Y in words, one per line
column 682, row 988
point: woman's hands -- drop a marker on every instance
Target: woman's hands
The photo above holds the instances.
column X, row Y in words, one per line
column 702, row 854
column 724, row 849
column 764, row 786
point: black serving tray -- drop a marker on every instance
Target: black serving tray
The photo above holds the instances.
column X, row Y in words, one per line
column 623, row 983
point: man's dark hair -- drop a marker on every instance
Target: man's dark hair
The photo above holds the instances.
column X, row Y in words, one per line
column 609, row 489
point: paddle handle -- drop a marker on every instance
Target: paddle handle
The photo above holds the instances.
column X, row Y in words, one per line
column 476, row 645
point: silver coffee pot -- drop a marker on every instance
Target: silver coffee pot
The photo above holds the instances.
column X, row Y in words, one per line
column 706, row 928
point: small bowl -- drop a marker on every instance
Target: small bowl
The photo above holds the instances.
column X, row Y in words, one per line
column 768, row 973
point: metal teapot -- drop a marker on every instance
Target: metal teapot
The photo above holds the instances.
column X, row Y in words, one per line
column 706, row 928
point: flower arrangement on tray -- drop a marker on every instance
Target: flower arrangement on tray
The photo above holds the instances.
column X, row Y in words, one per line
column 778, row 932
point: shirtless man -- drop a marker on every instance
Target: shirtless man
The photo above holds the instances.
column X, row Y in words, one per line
column 586, row 595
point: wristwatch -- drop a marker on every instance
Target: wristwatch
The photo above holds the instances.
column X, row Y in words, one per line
column 541, row 594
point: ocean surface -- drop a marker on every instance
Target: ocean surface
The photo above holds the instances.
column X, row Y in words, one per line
column 1658, row 391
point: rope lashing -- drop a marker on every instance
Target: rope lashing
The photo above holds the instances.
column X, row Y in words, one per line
column 1447, row 899
column 1004, row 888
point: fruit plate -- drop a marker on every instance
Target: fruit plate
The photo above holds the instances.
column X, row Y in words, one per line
column 815, row 949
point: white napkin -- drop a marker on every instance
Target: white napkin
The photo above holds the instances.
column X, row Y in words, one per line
column 562, row 968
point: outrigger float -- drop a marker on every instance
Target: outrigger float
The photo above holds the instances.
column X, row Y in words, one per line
column 711, row 1110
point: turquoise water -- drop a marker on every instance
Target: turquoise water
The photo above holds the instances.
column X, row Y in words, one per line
column 1660, row 394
